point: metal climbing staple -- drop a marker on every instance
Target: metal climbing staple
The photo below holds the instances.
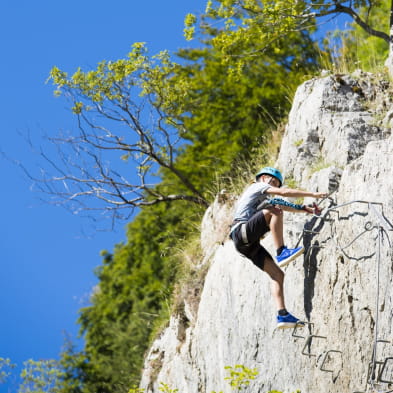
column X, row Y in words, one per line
column 307, row 345
column 386, row 373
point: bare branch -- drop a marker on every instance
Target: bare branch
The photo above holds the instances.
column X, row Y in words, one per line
column 85, row 171
column 339, row 8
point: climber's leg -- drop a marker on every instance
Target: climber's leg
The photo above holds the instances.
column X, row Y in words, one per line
column 284, row 318
column 275, row 220
column 277, row 285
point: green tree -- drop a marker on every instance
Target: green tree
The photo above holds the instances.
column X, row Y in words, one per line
column 283, row 17
column 357, row 48
column 240, row 376
column 135, row 284
column 227, row 114
column 75, row 369
column 6, row 367
column 41, row 376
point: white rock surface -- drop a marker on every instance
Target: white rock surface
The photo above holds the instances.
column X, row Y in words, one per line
column 333, row 286
column 328, row 125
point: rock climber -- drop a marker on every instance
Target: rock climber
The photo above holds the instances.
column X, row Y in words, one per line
column 255, row 215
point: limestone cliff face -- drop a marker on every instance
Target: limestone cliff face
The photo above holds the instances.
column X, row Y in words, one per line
column 342, row 285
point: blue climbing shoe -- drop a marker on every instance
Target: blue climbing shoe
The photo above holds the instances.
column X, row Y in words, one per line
column 288, row 321
column 288, row 254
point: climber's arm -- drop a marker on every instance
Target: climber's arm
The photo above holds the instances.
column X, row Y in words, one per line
column 293, row 207
column 305, row 209
column 294, row 193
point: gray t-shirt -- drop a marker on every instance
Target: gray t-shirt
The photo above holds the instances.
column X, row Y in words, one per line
column 247, row 205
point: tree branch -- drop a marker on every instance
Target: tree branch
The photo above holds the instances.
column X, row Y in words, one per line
column 339, row 8
column 84, row 168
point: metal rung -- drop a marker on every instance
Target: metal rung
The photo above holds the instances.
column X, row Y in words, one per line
column 325, row 358
column 372, row 371
column 387, row 360
column 376, row 367
column 313, row 232
column 308, row 341
column 300, row 325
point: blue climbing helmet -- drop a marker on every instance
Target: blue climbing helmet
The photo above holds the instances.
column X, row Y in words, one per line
column 272, row 172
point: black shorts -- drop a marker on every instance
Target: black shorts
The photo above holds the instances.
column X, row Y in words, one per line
column 256, row 227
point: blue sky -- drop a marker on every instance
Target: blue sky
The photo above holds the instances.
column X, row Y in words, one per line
column 47, row 254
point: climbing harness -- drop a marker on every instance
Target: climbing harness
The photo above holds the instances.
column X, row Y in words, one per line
column 243, row 232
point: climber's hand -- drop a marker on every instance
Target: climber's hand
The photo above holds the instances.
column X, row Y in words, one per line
column 320, row 194
column 317, row 209
column 312, row 209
